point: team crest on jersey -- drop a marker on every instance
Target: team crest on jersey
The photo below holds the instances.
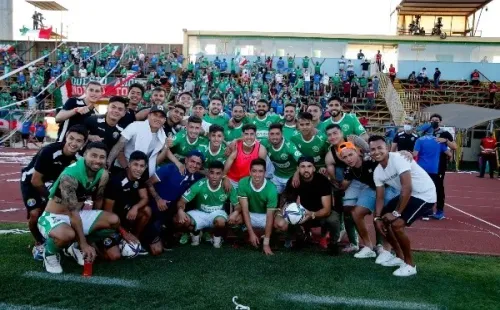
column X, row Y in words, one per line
column 412, row 138
column 361, row 127
column 345, row 127
column 31, row 202
column 115, row 135
column 315, row 148
column 268, row 123
column 107, row 241
column 222, row 197
column 205, row 196
column 284, row 156
column 297, row 153
column 136, row 184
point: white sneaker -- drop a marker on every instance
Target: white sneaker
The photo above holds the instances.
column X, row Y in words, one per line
column 365, row 252
column 379, row 249
column 350, row 248
column 217, row 241
column 383, row 257
column 52, row 263
column 74, row 251
column 341, row 236
column 195, row 239
column 405, row 271
column 393, row 262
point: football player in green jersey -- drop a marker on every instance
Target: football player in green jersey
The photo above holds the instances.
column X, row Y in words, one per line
column 216, row 148
column 258, row 200
column 316, row 111
column 234, row 133
column 348, row 122
column 290, row 127
column 210, row 199
column 214, row 110
column 262, row 119
column 283, row 155
column 310, row 142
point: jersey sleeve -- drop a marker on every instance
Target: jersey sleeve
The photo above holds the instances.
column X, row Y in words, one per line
column 272, row 197
column 233, row 197
column 417, row 145
column 129, row 132
column 191, row 192
column 358, row 128
column 44, row 161
column 70, row 104
column 242, row 189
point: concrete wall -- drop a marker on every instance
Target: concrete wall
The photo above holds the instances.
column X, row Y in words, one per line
column 6, row 30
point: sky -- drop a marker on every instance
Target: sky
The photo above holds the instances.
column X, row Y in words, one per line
column 160, row 21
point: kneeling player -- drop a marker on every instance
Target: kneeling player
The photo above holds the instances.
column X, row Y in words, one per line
column 45, row 168
column 258, row 204
column 126, row 195
column 210, row 199
column 64, row 222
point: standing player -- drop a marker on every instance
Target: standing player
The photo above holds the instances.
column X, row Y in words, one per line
column 235, row 132
column 417, row 196
column 75, row 110
column 258, row 203
column 262, row 120
column 238, row 163
column 214, row 113
column 284, row 156
column 105, row 127
column 310, row 142
column 45, row 168
column 349, row 123
column 316, row 112
column 135, row 93
column 290, row 127
column 186, row 141
column 210, row 198
column 126, row 195
column 64, row 220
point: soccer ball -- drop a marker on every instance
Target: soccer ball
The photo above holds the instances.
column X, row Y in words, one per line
column 294, row 213
column 129, row 250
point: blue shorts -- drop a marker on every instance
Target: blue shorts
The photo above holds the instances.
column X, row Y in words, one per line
column 360, row 194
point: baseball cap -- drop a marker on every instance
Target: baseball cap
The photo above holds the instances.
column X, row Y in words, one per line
column 346, row 145
column 308, row 159
column 158, row 108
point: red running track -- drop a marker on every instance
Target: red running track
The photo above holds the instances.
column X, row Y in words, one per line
column 472, row 223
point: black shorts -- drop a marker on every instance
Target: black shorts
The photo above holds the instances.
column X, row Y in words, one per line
column 414, row 209
column 25, row 136
column 31, row 198
column 40, row 139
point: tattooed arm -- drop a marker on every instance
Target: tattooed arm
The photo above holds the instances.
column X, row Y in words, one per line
column 69, row 199
column 116, row 150
column 99, row 196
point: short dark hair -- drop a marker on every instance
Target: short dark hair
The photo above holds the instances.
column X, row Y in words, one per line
column 159, row 89
column 332, row 126
column 198, row 102
column 376, row 138
column 194, row 119
column 258, row 162
column 120, row 99
column 216, row 164
column 239, row 105
column 276, row 126
column 290, row 105
column 305, row 115
column 263, row 101
column 314, row 104
column 215, row 128
column 79, row 129
column 249, row 127
column 139, row 86
column 180, row 106
column 97, row 145
column 216, row 97
column 138, row 155
column 334, row 98
column 436, row 115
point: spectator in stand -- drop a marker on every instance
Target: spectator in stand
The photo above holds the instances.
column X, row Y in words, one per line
column 493, row 88
column 350, row 70
column 437, row 77
column 370, row 97
column 392, row 73
column 40, row 132
column 475, row 78
column 361, row 55
column 347, row 91
column 378, row 59
column 375, row 84
column 341, row 63
column 82, row 71
column 422, row 78
column 354, row 92
column 488, row 155
column 189, row 85
column 307, row 82
column 412, row 77
column 365, row 67
column 26, row 132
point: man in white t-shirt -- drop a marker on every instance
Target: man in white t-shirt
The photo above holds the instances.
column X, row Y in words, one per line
column 417, row 197
column 82, row 72
column 279, row 78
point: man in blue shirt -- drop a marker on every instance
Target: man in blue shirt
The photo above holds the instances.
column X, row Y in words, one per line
column 25, row 132
column 223, row 65
column 40, row 132
column 428, row 151
column 166, row 187
column 281, row 65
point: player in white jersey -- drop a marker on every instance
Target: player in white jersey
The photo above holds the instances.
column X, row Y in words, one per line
column 417, row 196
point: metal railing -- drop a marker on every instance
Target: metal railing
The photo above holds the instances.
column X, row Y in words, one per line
column 392, row 99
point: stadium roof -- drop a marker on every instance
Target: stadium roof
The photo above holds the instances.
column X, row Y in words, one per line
column 463, row 116
column 47, row 5
column 441, row 7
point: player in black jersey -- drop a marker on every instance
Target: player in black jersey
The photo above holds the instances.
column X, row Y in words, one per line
column 126, row 195
column 105, row 128
column 135, row 93
column 42, row 171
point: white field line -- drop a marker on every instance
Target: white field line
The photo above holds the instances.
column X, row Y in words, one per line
column 10, row 210
column 10, row 173
column 355, row 302
column 13, row 231
column 12, row 180
column 473, row 216
column 5, row 306
column 79, row 279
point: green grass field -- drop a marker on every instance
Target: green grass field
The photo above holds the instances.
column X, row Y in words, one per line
column 206, row 278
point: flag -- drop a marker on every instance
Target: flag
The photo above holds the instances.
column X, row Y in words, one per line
column 62, row 94
column 45, row 33
column 243, row 61
column 8, row 48
column 38, row 33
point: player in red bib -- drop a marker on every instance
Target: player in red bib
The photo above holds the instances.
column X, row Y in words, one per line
column 247, row 149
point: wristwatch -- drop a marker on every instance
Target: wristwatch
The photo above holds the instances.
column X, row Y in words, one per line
column 396, row 214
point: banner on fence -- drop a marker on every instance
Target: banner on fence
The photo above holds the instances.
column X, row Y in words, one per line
column 78, row 85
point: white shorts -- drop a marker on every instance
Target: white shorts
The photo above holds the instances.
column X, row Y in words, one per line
column 280, row 183
column 269, row 168
column 202, row 220
column 258, row 220
column 49, row 221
